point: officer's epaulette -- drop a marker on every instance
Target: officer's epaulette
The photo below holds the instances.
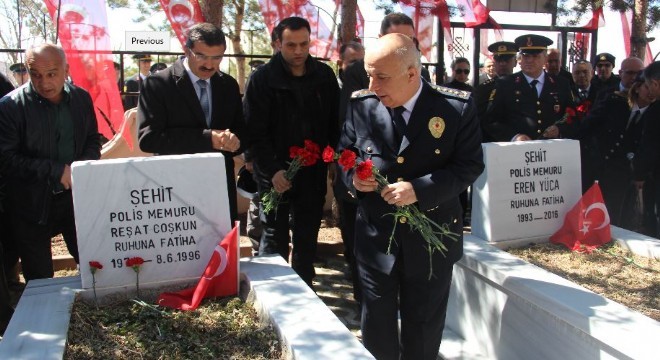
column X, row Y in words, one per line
column 362, row 93
column 461, row 94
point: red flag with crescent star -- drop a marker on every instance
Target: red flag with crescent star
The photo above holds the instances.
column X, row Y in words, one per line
column 587, row 224
column 220, row 278
column 182, row 14
column 83, row 33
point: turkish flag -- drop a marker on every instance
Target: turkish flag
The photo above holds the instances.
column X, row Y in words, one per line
column 221, row 277
column 182, row 14
column 587, row 223
column 83, row 32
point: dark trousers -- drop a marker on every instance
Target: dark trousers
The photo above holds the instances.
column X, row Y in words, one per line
column 10, row 250
column 253, row 224
column 34, row 240
column 422, row 305
column 306, row 210
column 614, row 180
column 347, row 213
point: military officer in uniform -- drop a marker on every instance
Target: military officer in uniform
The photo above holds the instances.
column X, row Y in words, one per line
column 504, row 56
column 134, row 83
column 529, row 104
column 605, row 78
column 427, row 142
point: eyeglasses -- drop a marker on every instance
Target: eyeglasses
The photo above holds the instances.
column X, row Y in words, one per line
column 202, row 57
column 462, row 71
column 604, row 65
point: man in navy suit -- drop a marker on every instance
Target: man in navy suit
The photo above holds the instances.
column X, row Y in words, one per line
column 428, row 162
column 191, row 107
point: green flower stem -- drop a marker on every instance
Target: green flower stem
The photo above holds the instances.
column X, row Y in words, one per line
column 430, row 231
column 272, row 198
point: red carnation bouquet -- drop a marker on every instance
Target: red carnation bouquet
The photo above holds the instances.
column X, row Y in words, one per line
column 431, row 232
column 307, row 155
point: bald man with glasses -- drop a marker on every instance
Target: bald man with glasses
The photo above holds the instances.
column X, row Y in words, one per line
column 192, row 107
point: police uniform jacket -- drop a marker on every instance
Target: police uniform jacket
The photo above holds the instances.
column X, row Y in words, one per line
column 598, row 85
column 132, row 84
column 440, row 156
column 515, row 108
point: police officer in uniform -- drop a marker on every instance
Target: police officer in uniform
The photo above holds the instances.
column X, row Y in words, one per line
column 134, row 83
column 426, row 141
column 504, row 56
column 529, row 104
column 605, row 79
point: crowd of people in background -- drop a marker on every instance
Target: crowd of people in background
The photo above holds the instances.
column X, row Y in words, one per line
column 375, row 106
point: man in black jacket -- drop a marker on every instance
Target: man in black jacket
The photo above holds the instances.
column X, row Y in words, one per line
column 291, row 99
column 44, row 127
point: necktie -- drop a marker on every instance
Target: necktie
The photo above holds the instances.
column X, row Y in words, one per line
column 204, row 100
column 399, row 123
column 633, row 119
column 533, row 85
column 583, row 94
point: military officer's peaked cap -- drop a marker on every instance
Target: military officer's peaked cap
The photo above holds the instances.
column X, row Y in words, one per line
column 532, row 44
column 18, row 68
column 605, row 57
column 142, row 57
column 503, row 50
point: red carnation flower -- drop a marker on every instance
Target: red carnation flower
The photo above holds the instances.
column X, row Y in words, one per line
column 294, row 151
column 135, row 262
column 95, row 265
column 328, row 154
column 365, row 169
column 347, row 159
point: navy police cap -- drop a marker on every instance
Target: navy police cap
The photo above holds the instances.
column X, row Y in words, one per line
column 533, row 44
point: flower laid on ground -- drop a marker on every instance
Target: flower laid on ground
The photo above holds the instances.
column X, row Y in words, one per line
column 302, row 156
column 94, row 266
column 431, row 232
column 135, row 263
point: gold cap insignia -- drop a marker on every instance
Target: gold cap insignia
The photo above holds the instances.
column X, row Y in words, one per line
column 501, row 48
column 436, row 126
column 529, row 41
column 603, row 57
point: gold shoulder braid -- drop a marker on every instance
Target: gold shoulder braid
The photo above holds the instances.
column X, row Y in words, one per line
column 461, row 94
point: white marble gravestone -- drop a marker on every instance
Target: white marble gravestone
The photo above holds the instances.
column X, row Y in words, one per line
column 525, row 189
column 169, row 210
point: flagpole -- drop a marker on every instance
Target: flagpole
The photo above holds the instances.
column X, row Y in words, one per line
column 57, row 23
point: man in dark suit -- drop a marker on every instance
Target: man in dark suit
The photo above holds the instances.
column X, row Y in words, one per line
column 191, row 107
column 134, row 83
column 428, row 162
column 613, row 131
column 553, row 66
column 529, row 104
column 647, row 160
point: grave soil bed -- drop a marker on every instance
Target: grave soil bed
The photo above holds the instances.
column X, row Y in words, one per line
column 226, row 328
column 610, row 271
